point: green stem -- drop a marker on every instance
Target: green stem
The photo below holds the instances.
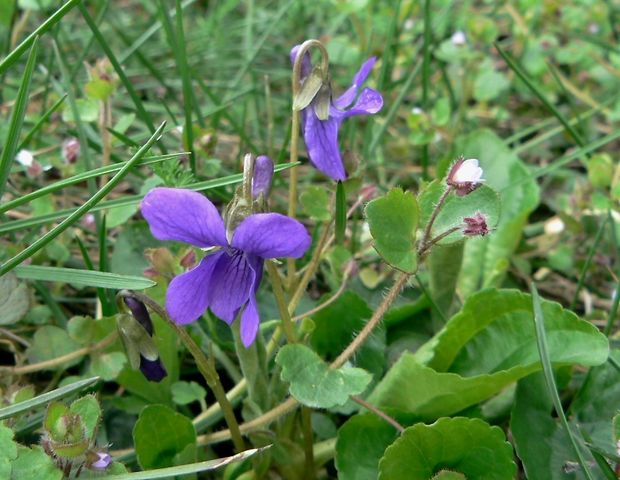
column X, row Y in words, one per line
column 285, row 315
column 205, row 366
column 341, row 213
column 431, row 221
column 306, row 426
column 358, row 341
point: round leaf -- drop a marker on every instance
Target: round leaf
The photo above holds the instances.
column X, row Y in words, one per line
column 314, row 383
column 393, row 220
column 160, row 434
column 465, row 445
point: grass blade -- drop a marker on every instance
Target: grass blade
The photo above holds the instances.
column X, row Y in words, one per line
column 520, row 72
column 90, row 203
column 41, row 121
column 88, row 278
column 541, row 340
column 341, row 213
column 17, row 118
column 40, row 400
column 80, row 177
column 125, row 201
column 586, row 265
column 187, row 469
column 140, row 110
column 12, row 57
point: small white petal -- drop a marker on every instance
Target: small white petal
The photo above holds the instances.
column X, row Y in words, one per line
column 458, row 38
column 469, row 172
column 24, row 157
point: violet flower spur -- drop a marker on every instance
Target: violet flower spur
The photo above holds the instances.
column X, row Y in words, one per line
column 321, row 136
column 225, row 281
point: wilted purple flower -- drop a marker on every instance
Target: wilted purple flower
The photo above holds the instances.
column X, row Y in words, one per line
column 475, row 226
column 153, row 369
column 100, row 460
column 465, row 176
column 321, row 136
column 71, row 150
column 227, row 280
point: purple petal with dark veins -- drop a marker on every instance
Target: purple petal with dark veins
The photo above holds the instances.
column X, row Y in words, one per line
column 230, row 285
column 346, row 99
column 271, row 235
column 184, row 216
column 188, row 294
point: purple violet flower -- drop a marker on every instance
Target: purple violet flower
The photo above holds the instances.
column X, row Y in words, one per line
column 100, row 460
column 321, row 136
column 225, row 281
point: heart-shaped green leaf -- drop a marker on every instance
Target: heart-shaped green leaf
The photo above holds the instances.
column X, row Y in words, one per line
column 465, row 445
column 314, row 383
column 393, row 220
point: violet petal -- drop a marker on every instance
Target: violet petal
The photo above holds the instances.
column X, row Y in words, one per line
column 187, row 296
column 250, row 321
column 271, row 235
column 231, row 283
column 321, row 137
column 369, row 102
column 347, row 98
column 183, row 215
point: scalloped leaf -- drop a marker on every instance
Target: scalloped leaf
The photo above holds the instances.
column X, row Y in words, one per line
column 393, row 220
column 468, row 446
column 314, row 383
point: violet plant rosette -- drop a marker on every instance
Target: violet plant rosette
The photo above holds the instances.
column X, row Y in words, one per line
column 321, row 136
column 225, row 281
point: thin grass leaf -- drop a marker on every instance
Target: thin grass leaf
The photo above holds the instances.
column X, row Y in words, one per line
column 87, row 206
column 187, row 469
column 541, row 341
column 87, row 278
column 89, row 264
column 80, row 177
column 140, row 110
column 520, row 72
column 17, row 117
column 586, row 265
column 186, row 81
column 599, row 457
column 393, row 109
column 125, row 201
column 12, row 57
column 41, row 121
column 426, row 75
column 41, row 400
column 611, row 317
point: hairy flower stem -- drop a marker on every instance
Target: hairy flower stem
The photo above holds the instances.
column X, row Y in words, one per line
column 378, row 413
column 206, row 367
column 423, row 252
column 429, row 226
column 285, row 315
column 295, row 88
column 359, row 340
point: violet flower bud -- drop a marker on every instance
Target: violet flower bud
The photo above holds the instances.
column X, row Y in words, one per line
column 138, row 342
column 465, row 176
column 262, row 177
column 475, row 226
column 100, row 460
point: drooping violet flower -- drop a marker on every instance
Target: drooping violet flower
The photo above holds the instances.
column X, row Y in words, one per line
column 225, row 281
column 136, row 343
column 465, row 176
column 321, row 136
column 475, row 226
